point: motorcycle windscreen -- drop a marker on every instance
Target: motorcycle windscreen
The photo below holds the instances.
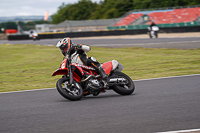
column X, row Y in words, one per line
column 107, row 67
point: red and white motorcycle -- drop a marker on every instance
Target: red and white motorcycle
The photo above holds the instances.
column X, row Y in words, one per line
column 80, row 80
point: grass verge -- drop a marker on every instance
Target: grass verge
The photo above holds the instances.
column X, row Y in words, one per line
column 25, row 67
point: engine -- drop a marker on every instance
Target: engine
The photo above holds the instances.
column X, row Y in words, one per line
column 93, row 84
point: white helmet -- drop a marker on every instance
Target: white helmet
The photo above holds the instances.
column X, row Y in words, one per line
column 64, row 44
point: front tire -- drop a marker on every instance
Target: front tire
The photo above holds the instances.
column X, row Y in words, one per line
column 126, row 88
column 71, row 92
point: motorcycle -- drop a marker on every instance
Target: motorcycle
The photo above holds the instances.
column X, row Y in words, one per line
column 153, row 31
column 34, row 35
column 79, row 80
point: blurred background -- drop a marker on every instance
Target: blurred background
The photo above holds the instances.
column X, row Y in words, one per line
column 97, row 17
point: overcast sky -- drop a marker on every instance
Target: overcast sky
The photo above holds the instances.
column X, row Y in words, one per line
column 31, row 7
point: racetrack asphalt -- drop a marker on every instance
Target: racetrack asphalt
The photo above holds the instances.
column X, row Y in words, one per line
column 164, row 42
column 157, row 105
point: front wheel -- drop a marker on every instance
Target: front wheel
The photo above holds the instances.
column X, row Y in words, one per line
column 125, row 87
column 71, row 92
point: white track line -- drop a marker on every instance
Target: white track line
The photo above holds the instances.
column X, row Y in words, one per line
column 182, row 131
column 133, row 80
column 27, row 90
column 167, row 77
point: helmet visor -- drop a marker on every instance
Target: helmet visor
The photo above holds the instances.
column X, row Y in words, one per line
column 62, row 48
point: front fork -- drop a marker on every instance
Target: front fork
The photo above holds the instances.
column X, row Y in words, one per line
column 70, row 71
column 70, row 76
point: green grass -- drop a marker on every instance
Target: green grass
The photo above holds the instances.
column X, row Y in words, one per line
column 25, row 67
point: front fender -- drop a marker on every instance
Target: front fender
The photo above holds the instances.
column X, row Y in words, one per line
column 60, row 72
column 65, row 72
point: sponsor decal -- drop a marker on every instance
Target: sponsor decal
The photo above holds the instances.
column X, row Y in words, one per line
column 86, row 67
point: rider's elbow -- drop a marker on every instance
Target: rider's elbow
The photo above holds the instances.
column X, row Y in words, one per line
column 86, row 48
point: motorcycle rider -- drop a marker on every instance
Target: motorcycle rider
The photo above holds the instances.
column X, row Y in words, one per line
column 33, row 35
column 152, row 24
column 151, row 31
column 79, row 56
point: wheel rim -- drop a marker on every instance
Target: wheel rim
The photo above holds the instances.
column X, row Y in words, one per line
column 73, row 90
column 126, row 84
column 126, row 87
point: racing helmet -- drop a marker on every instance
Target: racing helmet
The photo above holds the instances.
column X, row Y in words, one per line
column 64, row 44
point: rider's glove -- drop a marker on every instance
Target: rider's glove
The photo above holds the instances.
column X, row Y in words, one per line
column 77, row 46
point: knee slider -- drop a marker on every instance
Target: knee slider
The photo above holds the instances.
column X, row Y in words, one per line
column 93, row 59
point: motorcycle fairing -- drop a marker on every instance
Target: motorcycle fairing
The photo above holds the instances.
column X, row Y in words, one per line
column 77, row 70
column 82, row 66
column 63, row 70
column 107, row 67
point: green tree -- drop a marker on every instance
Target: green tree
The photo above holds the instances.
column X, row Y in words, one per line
column 112, row 9
column 111, row 13
column 78, row 11
column 60, row 15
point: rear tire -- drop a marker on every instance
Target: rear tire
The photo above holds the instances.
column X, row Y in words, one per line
column 126, row 89
column 156, row 34
column 72, row 93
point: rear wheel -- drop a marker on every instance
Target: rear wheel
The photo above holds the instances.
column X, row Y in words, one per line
column 71, row 92
column 156, row 34
column 125, row 87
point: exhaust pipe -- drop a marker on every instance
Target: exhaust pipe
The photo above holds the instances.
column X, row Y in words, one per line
column 117, row 80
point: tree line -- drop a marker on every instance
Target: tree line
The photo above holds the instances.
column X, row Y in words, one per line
column 106, row 9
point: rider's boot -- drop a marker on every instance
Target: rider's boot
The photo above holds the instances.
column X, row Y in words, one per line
column 103, row 75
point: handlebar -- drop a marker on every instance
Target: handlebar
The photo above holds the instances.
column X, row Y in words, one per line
column 73, row 47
